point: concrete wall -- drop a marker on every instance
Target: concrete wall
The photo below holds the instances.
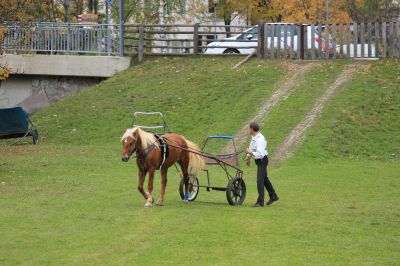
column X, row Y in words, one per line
column 39, row 80
column 35, row 92
column 65, row 65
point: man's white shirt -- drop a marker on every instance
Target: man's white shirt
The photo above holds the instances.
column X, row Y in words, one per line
column 258, row 146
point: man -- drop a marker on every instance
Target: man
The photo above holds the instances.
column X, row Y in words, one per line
column 258, row 149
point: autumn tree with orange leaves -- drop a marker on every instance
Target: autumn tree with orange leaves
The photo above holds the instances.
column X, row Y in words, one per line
column 295, row 11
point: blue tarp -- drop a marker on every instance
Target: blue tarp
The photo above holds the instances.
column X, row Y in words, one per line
column 13, row 120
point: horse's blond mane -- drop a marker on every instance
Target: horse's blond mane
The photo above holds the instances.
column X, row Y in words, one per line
column 146, row 138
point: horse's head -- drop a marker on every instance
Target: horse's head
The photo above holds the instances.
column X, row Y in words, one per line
column 129, row 144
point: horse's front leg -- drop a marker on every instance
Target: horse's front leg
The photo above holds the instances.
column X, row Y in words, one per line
column 150, row 199
column 160, row 201
column 142, row 177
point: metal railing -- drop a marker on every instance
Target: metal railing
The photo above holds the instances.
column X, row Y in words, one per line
column 66, row 38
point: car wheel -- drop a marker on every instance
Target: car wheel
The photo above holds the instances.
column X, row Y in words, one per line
column 231, row 51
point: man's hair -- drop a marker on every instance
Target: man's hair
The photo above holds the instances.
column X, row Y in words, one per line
column 254, row 126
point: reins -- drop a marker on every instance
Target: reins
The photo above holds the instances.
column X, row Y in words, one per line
column 218, row 157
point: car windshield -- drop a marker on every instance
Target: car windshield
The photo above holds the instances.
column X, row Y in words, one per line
column 251, row 34
column 289, row 30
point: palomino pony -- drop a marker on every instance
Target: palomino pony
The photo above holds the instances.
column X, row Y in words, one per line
column 149, row 158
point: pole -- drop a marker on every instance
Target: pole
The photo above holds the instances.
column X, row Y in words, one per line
column 121, row 27
column 108, row 28
column 215, row 19
column 67, row 11
column 327, row 12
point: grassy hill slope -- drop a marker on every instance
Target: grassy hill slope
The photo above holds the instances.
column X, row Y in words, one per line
column 198, row 97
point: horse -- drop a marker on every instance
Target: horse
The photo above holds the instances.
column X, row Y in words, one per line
column 149, row 158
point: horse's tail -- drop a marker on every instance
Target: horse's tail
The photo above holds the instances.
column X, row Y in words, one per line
column 196, row 161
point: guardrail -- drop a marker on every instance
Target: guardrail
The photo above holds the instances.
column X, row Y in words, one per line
column 66, row 38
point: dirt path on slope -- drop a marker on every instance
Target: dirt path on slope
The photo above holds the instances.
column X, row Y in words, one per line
column 285, row 150
column 280, row 94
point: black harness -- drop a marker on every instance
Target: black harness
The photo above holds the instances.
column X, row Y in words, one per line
column 164, row 149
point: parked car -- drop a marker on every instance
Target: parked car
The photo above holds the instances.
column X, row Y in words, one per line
column 233, row 44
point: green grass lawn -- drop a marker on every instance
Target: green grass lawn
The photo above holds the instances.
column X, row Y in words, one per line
column 70, row 200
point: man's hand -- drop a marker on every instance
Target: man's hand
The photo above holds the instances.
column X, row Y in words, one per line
column 248, row 151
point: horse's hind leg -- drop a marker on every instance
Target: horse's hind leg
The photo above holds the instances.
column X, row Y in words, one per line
column 185, row 172
column 150, row 199
column 160, row 201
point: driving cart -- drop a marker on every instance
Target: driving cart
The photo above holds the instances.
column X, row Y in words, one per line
column 235, row 189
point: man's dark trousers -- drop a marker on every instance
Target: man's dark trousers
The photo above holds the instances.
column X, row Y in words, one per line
column 263, row 180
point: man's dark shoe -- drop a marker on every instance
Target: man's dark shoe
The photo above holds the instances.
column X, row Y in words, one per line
column 258, row 205
column 272, row 200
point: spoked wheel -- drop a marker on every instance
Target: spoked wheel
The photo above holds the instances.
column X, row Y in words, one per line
column 193, row 188
column 35, row 137
column 236, row 191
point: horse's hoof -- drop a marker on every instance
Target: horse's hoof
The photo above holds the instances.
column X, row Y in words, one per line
column 160, row 203
column 148, row 205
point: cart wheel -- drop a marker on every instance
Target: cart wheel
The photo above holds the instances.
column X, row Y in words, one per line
column 193, row 188
column 35, row 137
column 236, row 191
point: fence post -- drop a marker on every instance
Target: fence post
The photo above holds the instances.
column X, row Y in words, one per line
column 369, row 39
column 15, row 39
column 355, row 36
column 302, row 41
column 391, row 39
column 334, row 40
column 196, row 38
column 377, row 39
column 261, row 40
column 384, row 39
column 68, row 38
column 327, row 41
column 362, row 39
column 52, row 39
column 398, row 39
column 121, row 26
column 141, row 43
column 100, row 38
column 341, row 40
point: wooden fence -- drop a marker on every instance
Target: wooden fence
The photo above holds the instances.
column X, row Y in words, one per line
column 188, row 39
column 268, row 41
column 349, row 40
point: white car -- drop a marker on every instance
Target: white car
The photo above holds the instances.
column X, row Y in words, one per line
column 230, row 46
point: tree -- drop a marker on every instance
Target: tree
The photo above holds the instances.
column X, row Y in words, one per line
column 313, row 11
column 4, row 71
column 93, row 6
column 150, row 11
column 373, row 10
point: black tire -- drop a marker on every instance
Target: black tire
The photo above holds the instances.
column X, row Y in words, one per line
column 236, row 191
column 35, row 137
column 231, row 51
column 193, row 188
